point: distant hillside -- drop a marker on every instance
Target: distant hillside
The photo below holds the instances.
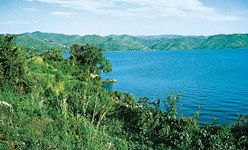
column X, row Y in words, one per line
column 42, row 41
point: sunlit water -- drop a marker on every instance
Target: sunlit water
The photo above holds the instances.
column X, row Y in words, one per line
column 214, row 82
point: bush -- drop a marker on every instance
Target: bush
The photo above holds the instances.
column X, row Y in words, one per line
column 13, row 63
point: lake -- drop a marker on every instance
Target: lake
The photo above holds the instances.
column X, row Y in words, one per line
column 214, row 82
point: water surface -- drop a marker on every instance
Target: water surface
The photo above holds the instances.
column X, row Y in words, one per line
column 213, row 81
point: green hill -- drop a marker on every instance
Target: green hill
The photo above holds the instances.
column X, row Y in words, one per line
column 42, row 41
column 226, row 41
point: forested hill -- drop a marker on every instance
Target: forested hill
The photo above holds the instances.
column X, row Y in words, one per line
column 42, row 41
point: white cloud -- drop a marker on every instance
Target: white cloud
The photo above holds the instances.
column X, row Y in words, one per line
column 60, row 13
column 146, row 8
column 30, row 9
column 14, row 23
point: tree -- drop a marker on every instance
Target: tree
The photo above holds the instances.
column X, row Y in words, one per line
column 13, row 61
column 90, row 57
column 52, row 55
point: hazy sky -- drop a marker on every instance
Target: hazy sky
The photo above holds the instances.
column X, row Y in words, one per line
column 134, row 17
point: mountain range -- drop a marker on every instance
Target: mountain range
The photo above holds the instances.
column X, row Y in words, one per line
column 40, row 41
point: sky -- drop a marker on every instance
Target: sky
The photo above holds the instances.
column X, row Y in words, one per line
column 133, row 17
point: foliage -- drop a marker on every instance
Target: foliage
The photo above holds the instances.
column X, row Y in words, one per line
column 66, row 108
column 91, row 57
column 52, row 55
column 13, row 63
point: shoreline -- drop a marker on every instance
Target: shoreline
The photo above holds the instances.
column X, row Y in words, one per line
column 226, row 49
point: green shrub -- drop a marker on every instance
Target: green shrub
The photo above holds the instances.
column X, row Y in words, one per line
column 13, row 63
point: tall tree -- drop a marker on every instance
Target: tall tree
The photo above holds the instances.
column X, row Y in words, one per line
column 90, row 57
column 13, row 61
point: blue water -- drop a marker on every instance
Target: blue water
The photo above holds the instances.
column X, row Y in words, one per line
column 214, row 82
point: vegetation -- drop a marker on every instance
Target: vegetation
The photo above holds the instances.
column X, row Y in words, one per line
column 48, row 102
column 43, row 41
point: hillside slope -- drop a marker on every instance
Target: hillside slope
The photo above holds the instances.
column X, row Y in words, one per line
column 42, row 41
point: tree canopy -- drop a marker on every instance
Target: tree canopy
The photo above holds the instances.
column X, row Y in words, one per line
column 91, row 57
column 13, row 61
